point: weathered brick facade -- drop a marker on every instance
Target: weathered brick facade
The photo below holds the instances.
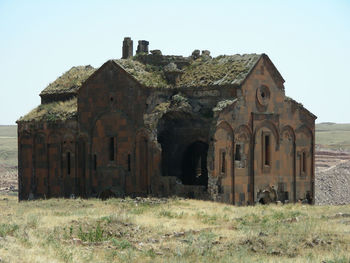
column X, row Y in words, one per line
column 152, row 125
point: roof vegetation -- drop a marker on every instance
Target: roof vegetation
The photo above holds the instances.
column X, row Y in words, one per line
column 61, row 110
column 199, row 72
column 204, row 71
column 70, row 81
column 222, row 70
column 146, row 74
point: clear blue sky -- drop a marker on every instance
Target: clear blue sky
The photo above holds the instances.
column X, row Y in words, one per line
column 308, row 41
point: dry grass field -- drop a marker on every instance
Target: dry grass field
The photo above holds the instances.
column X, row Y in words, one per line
column 8, row 145
column 8, row 156
column 170, row 230
column 334, row 136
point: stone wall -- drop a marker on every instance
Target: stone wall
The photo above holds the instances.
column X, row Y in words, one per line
column 46, row 152
column 273, row 145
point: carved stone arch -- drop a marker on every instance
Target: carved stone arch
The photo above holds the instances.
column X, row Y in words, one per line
column 272, row 127
column 183, row 140
column 25, row 136
column 143, row 163
column 243, row 133
column 169, row 117
column 68, row 163
column 106, row 113
column 83, row 137
column 25, row 164
column 39, row 183
column 111, row 151
column 287, row 130
column 54, row 137
column 40, row 139
column 222, row 164
column 305, row 129
column 288, row 164
column 54, row 175
column 175, row 114
column 68, row 140
column 39, row 135
column 305, row 165
column 225, row 126
column 242, row 146
column 112, row 124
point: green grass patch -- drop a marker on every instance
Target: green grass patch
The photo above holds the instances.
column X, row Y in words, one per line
column 8, row 229
column 121, row 243
column 91, row 234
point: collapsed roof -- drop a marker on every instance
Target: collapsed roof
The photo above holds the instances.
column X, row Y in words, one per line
column 152, row 70
column 200, row 72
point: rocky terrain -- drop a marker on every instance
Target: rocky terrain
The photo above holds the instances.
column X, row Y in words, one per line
column 8, row 159
column 332, row 177
column 8, row 179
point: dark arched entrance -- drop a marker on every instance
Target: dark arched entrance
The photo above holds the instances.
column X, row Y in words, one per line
column 194, row 164
column 184, row 147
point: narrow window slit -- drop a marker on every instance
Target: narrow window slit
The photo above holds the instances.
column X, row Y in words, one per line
column 129, row 162
column 111, row 149
column 68, row 163
column 95, row 162
column 267, row 150
column 238, row 153
column 303, row 162
column 223, row 162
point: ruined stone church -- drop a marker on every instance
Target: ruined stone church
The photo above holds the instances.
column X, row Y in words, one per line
column 218, row 128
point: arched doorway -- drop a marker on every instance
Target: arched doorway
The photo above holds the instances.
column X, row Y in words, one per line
column 182, row 134
column 194, row 164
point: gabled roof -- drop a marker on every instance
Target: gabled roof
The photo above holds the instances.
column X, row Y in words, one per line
column 300, row 106
column 70, row 81
column 201, row 72
column 147, row 75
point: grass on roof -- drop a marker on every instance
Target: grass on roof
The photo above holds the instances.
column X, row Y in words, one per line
column 61, row 110
column 221, row 70
column 204, row 71
column 148, row 75
column 70, row 81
